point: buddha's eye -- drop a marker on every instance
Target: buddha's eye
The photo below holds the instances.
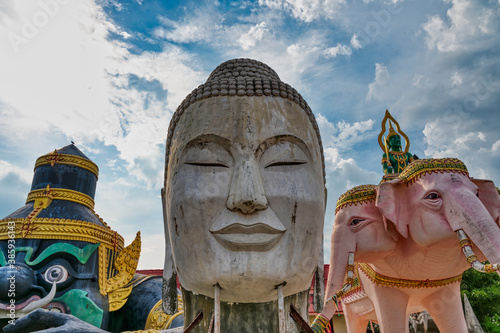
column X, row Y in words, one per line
column 283, row 156
column 285, row 163
column 208, row 164
column 208, row 156
column 56, row 273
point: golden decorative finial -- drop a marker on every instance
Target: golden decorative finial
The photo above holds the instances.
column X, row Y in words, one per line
column 392, row 132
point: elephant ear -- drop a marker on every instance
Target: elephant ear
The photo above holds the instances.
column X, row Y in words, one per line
column 489, row 196
column 389, row 199
column 390, row 228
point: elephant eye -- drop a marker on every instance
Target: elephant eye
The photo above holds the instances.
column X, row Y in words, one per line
column 477, row 194
column 356, row 221
column 433, row 196
column 56, row 273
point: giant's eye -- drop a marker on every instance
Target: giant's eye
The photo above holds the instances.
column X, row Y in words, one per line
column 432, row 196
column 56, row 273
column 356, row 221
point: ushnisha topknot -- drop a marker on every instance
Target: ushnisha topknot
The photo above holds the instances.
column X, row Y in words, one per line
column 242, row 77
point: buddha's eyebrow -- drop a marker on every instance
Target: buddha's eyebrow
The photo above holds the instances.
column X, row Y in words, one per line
column 208, row 138
column 283, row 138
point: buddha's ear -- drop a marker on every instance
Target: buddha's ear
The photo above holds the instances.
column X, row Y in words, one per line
column 169, row 289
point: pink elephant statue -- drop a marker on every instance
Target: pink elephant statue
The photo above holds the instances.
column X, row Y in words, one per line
column 355, row 210
column 430, row 203
column 360, row 234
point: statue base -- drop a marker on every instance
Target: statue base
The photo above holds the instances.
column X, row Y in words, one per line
column 244, row 317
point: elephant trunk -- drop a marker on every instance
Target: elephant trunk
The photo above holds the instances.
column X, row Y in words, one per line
column 469, row 214
column 466, row 246
column 342, row 259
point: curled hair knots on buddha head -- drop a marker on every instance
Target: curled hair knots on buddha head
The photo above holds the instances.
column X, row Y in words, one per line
column 242, row 77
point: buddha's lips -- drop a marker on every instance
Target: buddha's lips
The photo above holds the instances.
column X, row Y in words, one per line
column 257, row 237
column 238, row 228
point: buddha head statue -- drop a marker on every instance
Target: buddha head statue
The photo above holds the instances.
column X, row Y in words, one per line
column 244, row 196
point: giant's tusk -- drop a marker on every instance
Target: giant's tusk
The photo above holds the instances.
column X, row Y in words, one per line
column 31, row 306
column 41, row 302
column 466, row 246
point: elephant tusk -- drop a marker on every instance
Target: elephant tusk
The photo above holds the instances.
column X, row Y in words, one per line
column 466, row 246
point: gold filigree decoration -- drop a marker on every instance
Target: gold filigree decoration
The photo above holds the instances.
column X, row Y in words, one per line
column 159, row 320
column 61, row 194
column 50, row 228
column 118, row 298
column 388, row 176
column 386, row 281
column 56, row 158
column 388, row 117
column 357, row 195
column 28, row 224
column 418, row 168
column 103, row 269
column 126, row 265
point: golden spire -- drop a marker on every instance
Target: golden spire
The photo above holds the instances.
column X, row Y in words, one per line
column 392, row 132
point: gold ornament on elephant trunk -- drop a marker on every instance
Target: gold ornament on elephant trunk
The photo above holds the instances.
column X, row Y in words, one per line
column 472, row 259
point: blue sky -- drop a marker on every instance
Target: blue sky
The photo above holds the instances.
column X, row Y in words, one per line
column 109, row 74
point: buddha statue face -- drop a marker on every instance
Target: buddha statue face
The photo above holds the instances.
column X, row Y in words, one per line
column 245, row 197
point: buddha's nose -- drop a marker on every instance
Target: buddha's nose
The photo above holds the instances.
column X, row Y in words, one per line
column 247, row 190
column 16, row 282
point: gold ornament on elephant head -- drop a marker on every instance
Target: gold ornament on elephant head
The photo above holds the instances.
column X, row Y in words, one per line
column 394, row 159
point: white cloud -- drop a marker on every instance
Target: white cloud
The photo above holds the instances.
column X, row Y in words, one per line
column 420, row 81
column 453, row 137
column 200, row 26
column 343, row 135
column 496, row 146
column 254, row 35
column 456, row 79
column 338, row 49
column 470, row 27
column 6, row 168
column 355, row 43
column 307, row 10
column 378, row 88
column 70, row 78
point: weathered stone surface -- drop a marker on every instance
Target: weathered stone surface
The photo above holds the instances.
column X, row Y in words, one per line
column 244, row 197
column 242, row 163
column 245, row 317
